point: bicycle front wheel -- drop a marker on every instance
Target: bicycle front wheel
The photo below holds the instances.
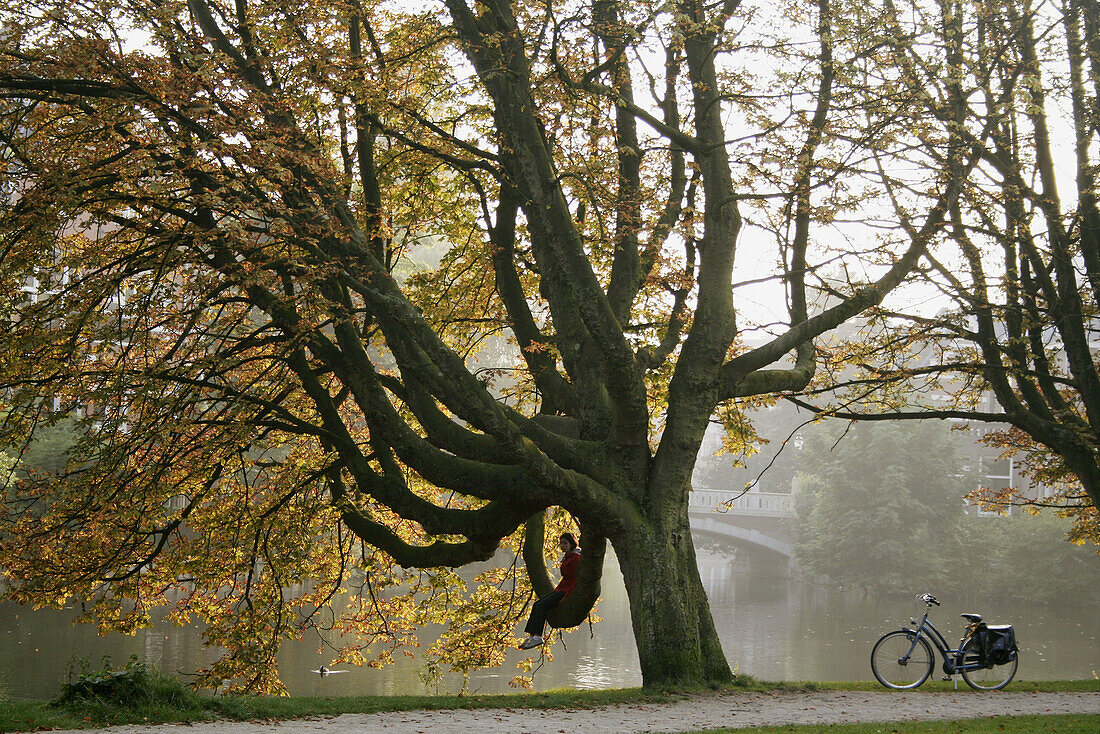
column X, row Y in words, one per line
column 992, row 678
column 900, row 659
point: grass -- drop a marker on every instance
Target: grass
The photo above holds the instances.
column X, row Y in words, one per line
column 172, row 701
column 1054, row 724
column 161, row 700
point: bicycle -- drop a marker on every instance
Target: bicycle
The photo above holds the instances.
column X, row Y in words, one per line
column 903, row 658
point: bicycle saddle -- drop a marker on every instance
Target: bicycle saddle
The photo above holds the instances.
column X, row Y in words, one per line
column 973, row 618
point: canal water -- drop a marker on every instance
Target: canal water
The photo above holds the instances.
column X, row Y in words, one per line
column 772, row 627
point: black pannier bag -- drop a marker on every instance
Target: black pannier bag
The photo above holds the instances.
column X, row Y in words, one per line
column 998, row 643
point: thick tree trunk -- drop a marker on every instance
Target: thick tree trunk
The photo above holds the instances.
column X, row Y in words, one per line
column 673, row 628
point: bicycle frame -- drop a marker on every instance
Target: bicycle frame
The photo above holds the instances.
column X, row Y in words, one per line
column 952, row 657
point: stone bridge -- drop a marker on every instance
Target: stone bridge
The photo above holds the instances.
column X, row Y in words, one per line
column 762, row 519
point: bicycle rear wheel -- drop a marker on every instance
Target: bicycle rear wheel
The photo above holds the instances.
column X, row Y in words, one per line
column 992, row 678
column 899, row 663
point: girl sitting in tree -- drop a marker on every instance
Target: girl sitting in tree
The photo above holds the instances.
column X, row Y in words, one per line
column 569, row 563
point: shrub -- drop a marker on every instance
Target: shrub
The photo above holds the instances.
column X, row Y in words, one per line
column 131, row 686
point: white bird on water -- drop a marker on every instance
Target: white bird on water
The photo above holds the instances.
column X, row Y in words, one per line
column 327, row 671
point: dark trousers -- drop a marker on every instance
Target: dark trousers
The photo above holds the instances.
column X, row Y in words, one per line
column 537, row 621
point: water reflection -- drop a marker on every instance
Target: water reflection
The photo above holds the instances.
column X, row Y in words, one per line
column 771, row 627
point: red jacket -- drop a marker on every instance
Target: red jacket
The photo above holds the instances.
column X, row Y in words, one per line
column 569, row 563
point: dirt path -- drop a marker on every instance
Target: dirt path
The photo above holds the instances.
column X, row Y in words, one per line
column 695, row 713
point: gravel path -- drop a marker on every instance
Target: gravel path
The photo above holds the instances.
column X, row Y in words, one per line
column 695, row 713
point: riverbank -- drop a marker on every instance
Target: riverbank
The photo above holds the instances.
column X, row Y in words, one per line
column 622, row 710
column 696, row 712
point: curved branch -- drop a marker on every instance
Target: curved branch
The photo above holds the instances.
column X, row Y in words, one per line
column 574, row 608
column 439, row 553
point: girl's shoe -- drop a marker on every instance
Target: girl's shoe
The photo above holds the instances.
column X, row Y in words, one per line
column 531, row 641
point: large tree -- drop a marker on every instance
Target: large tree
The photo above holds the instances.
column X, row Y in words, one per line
column 209, row 205
column 1017, row 277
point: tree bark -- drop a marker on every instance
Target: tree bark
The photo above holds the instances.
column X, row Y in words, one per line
column 673, row 628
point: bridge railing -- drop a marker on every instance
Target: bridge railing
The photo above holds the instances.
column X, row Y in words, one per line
column 758, row 504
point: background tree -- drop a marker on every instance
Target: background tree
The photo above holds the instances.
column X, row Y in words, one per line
column 7, row 467
column 1017, row 277
column 892, row 493
column 209, row 204
column 46, row 450
column 1025, row 557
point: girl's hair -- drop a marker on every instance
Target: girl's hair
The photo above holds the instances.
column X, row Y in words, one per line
column 571, row 538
